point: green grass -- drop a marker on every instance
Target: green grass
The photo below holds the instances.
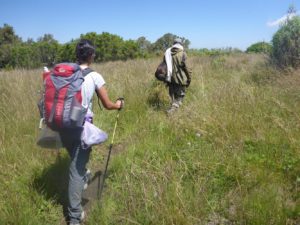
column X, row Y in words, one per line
column 230, row 155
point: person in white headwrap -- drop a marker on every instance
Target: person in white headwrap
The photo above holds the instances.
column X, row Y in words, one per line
column 178, row 73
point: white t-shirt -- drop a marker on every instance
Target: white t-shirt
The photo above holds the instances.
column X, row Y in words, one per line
column 92, row 81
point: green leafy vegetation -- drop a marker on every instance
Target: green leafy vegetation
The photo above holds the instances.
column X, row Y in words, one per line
column 286, row 44
column 260, row 47
column 14, row 53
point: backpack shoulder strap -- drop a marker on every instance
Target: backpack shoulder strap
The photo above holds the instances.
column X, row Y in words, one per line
column 86, row 71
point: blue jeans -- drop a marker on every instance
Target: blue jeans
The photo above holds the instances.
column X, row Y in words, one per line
column 79, row 156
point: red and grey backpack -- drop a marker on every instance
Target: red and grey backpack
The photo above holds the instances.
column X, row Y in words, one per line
column 62, row 96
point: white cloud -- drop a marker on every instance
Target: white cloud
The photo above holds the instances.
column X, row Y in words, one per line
column 281, row 20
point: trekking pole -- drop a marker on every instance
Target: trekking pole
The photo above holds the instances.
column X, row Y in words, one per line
column 100, row 190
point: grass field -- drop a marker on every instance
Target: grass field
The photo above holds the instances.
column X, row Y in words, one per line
column 230, row 155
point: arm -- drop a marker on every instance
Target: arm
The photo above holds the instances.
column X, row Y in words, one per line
column 187, row 70
column 107, row 103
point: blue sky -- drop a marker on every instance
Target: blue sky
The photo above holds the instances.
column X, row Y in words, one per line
column 207, row 24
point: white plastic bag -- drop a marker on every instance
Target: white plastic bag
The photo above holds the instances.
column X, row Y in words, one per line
column 92, row 135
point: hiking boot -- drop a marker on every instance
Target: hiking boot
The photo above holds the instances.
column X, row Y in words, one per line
column 87, row 178
column 82, row 216
column 173, row 108
column 178, row 101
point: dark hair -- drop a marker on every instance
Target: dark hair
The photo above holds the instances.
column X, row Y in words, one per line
column 84, row 51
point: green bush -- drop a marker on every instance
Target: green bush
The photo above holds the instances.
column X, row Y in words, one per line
column 15, row 53
column 286, row 44
column 260, row 47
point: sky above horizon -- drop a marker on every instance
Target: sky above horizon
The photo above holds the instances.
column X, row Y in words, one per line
column 207, row 24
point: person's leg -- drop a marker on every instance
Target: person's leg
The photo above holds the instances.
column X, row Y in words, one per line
column 171, row 92
column 177, row 93
column 79, row 156
column 172, row 98
column 77, row 179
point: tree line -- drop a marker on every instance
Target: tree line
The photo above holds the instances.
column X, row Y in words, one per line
column 16, row 53
column 284, row 48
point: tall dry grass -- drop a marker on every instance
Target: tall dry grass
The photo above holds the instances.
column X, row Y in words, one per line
column 230, row 155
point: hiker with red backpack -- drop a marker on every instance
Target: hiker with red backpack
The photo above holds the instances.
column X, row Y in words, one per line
column 69, row 89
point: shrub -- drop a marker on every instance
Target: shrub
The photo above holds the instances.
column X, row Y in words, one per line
column 286, row 44
column 260, row 47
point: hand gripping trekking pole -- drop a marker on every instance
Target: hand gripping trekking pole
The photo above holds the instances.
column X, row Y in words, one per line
column 100, row 189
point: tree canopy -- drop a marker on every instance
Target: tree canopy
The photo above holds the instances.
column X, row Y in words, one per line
column 46, row 50
column 260, row 47
column 286, row 44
